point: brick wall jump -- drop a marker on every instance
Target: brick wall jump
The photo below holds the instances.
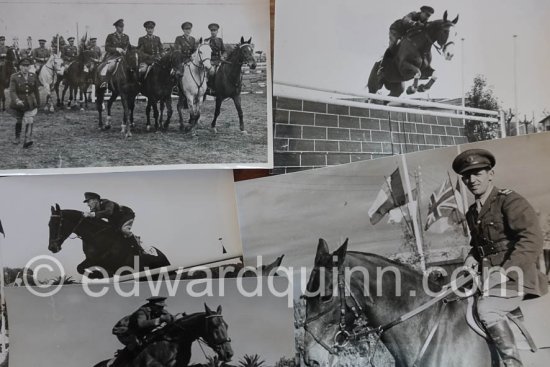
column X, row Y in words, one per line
column 311, row 134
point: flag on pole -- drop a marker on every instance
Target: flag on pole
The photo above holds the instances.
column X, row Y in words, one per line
column 444, row 203
column 391, row 195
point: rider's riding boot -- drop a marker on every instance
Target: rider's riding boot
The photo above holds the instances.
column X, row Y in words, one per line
column 18, row 128
column 503, row 337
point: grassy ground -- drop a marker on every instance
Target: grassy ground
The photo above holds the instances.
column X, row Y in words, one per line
column 70, row 138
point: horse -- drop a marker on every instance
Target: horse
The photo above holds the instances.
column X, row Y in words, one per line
column 437, row 336
column 227, row 82
column 171, row 345
column 102, row 244
column 157, row 87
column 76, row 78
column 192, row 85
column 412, row 58
column 7, row 68
column 122, row 77
column 47, row 76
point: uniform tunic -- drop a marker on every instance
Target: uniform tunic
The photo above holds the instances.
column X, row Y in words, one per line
column 95, row 51
column 187, row 45
column 150, row 48
column 218, row 49
column 3, row 52
column 144, row 320
column 69, row 53
column 24, row 89
column 41, row 54
column 116, row 40
column 116, row 214
column 508, row 229
column 401, row 26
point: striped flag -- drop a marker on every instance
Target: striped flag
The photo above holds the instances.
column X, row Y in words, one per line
column 391, row 195
column 443, row 203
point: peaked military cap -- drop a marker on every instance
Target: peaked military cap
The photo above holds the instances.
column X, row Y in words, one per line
column 90, row 195
column 149, row 24
column 70, row 39
column 119, row 23
column 213, row 26
column 25, row 61
column 187, row 25
column 473, row 159
column 42, row 40
column 427, row 9
column 156, row 299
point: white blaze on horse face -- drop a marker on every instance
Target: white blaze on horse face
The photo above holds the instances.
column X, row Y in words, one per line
column 449, row 48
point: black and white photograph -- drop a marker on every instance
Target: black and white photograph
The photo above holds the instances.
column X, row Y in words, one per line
column 99, row 225
column 423, row 214
column 116, row 86
column 366, row 80
column 75, row 328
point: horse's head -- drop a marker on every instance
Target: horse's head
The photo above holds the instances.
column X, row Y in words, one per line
column 216, row 335
column 246, row 49
column 57, row 64
column 326, row 324
column 204, row 54
column 131, row 59
column 59, row 231
column 445, row 35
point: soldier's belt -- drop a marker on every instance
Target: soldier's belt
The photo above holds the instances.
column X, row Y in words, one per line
column 492, row 248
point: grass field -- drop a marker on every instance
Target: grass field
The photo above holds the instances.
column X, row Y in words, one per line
column 70, row 138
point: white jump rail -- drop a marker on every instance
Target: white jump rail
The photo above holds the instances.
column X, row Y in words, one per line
column 379, row 97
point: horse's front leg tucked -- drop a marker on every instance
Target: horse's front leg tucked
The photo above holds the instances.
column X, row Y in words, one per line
column 428, row 85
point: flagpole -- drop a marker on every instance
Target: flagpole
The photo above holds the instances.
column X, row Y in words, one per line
column 418, row 178
column 417, row 235
column 400, row 207
column 461, row 215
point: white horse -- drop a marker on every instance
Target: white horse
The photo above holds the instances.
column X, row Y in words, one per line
column 47, row 77
column 192, row 85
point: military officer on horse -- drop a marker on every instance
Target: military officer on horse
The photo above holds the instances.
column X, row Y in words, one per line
column 94, row 49
column 119, row 216
column 116, row 45
column 133, row 330
column 506, row 237
column 3, row 49
column 41, row 54
column 186, row 44
column 69, row 52
column 150, row 49
column 218, row 54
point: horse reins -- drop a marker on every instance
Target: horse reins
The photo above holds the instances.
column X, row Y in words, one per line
column 200, row 66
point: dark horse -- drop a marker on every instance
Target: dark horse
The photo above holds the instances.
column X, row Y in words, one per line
column 171, row 345
column 157, row 87
column 453, row 344
column 76, row 78
column 122, row 78
column 7, row 68
column 227, row 82
column 103, row 246
column 412, row 59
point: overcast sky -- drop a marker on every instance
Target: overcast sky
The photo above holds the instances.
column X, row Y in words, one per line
column 74, row 329
column 45, row 18
column 333, row 44
column 289, row 213
column 182, row 213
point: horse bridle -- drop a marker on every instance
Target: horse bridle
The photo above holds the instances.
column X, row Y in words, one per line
column 362, row 329
column 60, row 226
column 200, row 66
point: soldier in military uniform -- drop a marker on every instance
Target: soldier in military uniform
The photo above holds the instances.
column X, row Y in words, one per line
column 41, row 54
column 95, row 50
column 507, row 239
column 186, row 44
column 25, row 100
column 3, row 49
column 414, row 19
column 140, row 324
column 116, row 45
column 119, row 216
column 149, row 47
column 69, row 52
column 218, row 54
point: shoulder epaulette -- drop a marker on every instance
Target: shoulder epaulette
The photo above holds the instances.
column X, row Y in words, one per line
column 505, row 191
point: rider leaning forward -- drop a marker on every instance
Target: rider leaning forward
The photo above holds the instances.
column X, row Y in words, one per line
column 507, row 237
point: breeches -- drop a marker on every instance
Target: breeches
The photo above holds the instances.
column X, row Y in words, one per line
column 492, row 308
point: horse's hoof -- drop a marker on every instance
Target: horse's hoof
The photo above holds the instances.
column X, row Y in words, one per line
column 148, row 128
column 52, row 109
column 81, row 109
column 411, row 90
column 214, row 130
column 244, row 132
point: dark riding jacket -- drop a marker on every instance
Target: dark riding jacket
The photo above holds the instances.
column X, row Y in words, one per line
column 144, row 320
column 507, row 233
column 187, row 45
column 3, row 52
column 218, row 49
column 115, row 214
column 407, row 22
column 69, row 53
column 116, row 40
column 150, row 49
column 41, row 55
